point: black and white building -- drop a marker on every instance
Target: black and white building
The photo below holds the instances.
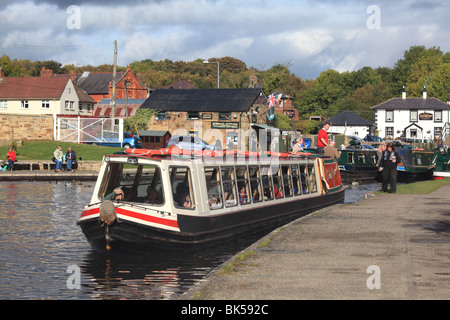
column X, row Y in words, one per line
column 415, row 118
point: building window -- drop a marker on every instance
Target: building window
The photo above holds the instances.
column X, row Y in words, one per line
column 389, row 131
column 438, row 116
column 437, row 132
column 193, row 115
column 389, row 116
column 45, row 104
column 72, row 105
column 3, row 104
column 413, row 115
column 224, row 116
column 66, row 104
column 24, row 104
column 161, row 116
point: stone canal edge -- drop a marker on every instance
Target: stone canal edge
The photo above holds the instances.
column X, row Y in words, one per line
column 388, row 246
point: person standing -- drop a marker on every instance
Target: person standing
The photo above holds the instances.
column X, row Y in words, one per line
column 71, row 158
column 330, row 151
column 322, row 139
column 58, row 155
column 388, row 168
column 11, row 157
column 298, row 145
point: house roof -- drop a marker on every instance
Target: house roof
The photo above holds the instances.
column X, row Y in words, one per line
column 348, row 118
column 32, row 87
column 412, row 103
column 200, row 100
column 97, row 83
column 104, row 107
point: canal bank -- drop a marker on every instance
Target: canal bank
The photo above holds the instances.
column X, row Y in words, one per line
column 388, row 246
column 48, row 175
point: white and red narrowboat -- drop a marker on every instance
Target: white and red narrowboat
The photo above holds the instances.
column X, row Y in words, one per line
column 184, row 201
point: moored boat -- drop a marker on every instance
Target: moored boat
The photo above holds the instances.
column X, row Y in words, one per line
column 185, row 200
column 358, row 164
column 442, row 163
column 416, row 164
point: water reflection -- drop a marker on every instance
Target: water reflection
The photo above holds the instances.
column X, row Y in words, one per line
column 39, row 240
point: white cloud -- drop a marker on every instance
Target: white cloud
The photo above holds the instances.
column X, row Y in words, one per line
column 313, row 35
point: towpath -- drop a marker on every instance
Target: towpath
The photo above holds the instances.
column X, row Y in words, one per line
column 385, row 247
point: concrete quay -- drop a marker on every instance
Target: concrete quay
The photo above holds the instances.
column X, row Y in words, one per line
column 47, row 175
column 386, row 247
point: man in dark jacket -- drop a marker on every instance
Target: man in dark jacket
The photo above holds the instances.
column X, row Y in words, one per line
column 388, row 165
column 71, row 159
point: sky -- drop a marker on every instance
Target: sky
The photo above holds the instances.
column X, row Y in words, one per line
column 309, row 36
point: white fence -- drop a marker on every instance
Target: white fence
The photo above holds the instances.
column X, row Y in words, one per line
column 82, row 130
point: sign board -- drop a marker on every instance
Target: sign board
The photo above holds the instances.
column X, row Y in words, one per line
column 425, row 116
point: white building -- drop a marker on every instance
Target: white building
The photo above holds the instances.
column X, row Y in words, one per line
column 350, row 124
column 43, row 95
column 418, row 118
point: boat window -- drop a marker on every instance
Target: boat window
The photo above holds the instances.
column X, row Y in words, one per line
column 361, row 158
column 350, row 158
column 296, row 179
column 373, row 157
column 214, row 187
column 287, row 181
column 139, row 183
column 182, row 191
column 312, row 178
column 242, row 184
column 229, row 189
column 266, row 180
column 277, row 183
column 304, row 178
column 255, row 183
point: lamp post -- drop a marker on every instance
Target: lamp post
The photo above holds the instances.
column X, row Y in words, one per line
column 218, row 63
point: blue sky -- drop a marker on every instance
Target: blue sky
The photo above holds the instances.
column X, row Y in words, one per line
column 308, row 36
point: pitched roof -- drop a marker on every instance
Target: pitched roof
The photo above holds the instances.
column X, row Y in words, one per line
column 350, row 119
column 32, row 87
column 412, row 103
column 104, row 107
column 199, row 100
column 97, row 83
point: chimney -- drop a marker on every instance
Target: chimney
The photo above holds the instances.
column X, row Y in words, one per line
column 46, row 73
column 2, row 74
column 424, row 92
column 73, row 76
column 403, row 93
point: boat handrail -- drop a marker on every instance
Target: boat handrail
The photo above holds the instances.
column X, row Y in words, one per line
column 186, row 154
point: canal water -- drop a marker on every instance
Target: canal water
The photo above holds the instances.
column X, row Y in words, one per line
column 44, row 254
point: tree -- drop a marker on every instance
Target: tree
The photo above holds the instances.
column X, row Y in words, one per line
column 139, row 121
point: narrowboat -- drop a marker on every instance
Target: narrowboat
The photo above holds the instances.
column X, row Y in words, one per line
column 168, row 199
column 358, row 164
column 442, row 163
column 416, row 164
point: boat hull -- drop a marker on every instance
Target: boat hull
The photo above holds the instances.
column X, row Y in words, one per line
column 198, row 231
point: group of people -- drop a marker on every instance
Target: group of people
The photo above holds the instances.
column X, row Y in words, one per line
column 59, row 157
column 388, row 158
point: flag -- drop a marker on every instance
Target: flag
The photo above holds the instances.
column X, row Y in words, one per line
column 273, row 100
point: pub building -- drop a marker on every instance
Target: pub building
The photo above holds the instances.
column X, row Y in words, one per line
column 411, row 118
column 217, row 116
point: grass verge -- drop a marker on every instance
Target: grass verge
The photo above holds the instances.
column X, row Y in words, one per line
column 422, row 187
column 43, row 150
